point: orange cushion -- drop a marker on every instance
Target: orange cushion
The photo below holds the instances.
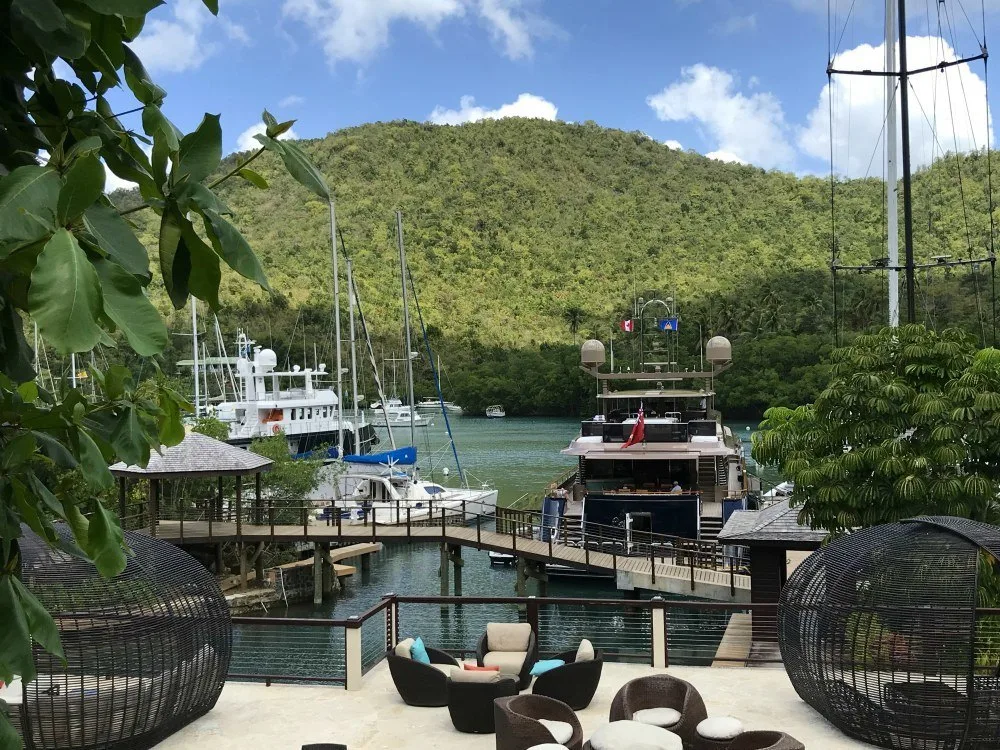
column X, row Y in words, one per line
column 474, row 668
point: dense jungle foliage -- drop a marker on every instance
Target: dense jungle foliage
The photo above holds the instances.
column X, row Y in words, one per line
column 524, row 237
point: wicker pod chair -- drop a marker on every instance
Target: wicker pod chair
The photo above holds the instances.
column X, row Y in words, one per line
column 485, row 656
column 518, row 726
column 661, row 691
column 470, row 704
column 574, row 683
column 421, row 684
column 765, row 740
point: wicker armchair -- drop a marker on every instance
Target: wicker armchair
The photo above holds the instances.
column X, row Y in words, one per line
column 574, row 683
column 421, row 684
column 517, row 724
column 470, row 704
column 661, row 691
column 524, row 675
column 765, row 741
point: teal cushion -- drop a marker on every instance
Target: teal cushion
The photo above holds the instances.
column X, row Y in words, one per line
column 545, row 665
column 418, row 652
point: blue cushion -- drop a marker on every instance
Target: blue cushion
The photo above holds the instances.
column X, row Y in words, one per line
column 418, row 652
column 545, row 665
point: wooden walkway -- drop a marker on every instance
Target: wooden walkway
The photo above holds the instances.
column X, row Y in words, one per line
column 657, row 574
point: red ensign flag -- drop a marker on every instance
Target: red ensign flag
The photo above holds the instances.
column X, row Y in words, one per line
column 627, row 325
column 638, row 431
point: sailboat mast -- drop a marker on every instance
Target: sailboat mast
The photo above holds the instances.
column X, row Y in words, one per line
column 194, row 353
column 904, row 111
column 892, row 177
column 336, row 328
column 406, row 323
column 354, row 355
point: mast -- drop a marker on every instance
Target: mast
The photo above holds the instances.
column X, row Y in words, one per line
column 904, row 107
column 891, row 172
column 204, row 373
column 406, row 322
column 354, row 355
column 336, row 327
column 72, row 365
column 194, row 352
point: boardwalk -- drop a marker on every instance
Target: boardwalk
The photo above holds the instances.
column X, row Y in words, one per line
column 656, row 573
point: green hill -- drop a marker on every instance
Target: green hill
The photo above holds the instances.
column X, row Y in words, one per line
column 515, row 227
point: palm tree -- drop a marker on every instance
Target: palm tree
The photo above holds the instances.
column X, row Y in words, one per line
column 575, row 317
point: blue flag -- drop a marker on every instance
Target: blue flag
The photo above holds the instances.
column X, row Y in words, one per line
column 667, row 324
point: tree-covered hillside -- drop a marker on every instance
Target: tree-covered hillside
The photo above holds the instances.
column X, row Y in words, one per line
column 521, row 233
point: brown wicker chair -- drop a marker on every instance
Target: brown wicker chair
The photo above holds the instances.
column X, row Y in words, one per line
column 524, row 677
column 765, row 741
column 661, row 691
column 574, row 683
column 517, row 726
column 421, row 684
column 470, row 704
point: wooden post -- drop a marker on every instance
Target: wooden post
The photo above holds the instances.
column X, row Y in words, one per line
column 317, row 574
column 479, row 531
column 652, row 562
column 270, row 514
column 443, row 570
column 218, row 500
column 542, row 578
column 243, row 566
column 239, row 508
column 660, row 658
column 305, row 522
column 352, row 648
column 122, row 501
column 180, row 501
column 532, row 614
column 220, row 562
column 258, row 563
column 408, row 530
column 153, row 504
column 366, row 563
column 692, row 570
column 256, row 490
column 521, row 582
column 457, row 563
column 328, row 577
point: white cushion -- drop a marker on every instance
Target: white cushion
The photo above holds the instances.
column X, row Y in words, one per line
column 658, row 717
column 548, row 746
column 586, row 651
column 510, row 662
column 468, row 675
column 561, row 731
column 633, row 735
column 508, row 636
column 720, row 728
column 403, row 648
column 446, row 668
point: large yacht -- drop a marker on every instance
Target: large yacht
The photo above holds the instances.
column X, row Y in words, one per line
column 657, row 457
column 292, row 403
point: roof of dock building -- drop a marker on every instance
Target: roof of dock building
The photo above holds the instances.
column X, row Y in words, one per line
column 774, row 526
column 196, row 455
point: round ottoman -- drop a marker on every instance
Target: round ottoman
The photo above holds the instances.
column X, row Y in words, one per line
column 716, row 732
column 633, row 735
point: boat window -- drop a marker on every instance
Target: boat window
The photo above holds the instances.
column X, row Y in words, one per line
column 293, row 414
column 309, row 413
column 433, row 489
column 302, row 413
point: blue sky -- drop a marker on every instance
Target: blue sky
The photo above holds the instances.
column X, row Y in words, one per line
column 728, row 78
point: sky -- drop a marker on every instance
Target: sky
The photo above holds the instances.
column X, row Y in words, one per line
column 732, row 79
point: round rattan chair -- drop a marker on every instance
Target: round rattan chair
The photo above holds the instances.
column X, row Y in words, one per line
column 146, row 651
column 574, row 683
column 661, row 691
column 518, row 727
column 879, row 633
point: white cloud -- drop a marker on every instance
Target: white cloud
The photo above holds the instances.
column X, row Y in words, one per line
column 748, row 128
column 526, row 105
column 292, row 100
column 675, row 145
column 859, row 109
column 726, row 156
column 247, row 142
column 178, row 42
column 737, row 24
column 356, row 29
column 113, row 182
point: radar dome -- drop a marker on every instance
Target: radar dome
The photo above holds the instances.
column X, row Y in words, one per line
column 592, row 353
column 718, row 350
column 267, row 360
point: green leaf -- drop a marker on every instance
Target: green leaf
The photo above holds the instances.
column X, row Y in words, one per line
column 15, row 638
column 115, row 237
column 139, row 82
column 45, row 14
column 105, row 543
column 95, row 465
column 299, row 167
column 212, row 5
column 130, row 309
column 129, row 440
column 65, row 295
column 127, row 8
column 58, row 453
column 15, row 354
column 201, row 151
column 40, row 623
column 280, row 128
column 269, row 120
column 253, row 178
column 17, row 451
column 83, row 186
column 87, row 145
column 175, row 262
column 206, row 275
column 133, row 27
column 26, row 193
column 233, row 247
column 171, row 429
column 8, row 735
column 155, row 122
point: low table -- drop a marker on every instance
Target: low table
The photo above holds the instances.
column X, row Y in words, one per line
column 622, row 735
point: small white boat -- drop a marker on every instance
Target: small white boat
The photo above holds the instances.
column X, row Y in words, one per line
column 432, row 404
column 401, row 417
column 495, row 412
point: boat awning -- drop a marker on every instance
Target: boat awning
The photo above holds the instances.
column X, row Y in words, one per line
column 407, row 456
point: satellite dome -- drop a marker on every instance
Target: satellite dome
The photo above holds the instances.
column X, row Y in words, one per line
column 592, row 353
column 266, row 360
column 718, row 350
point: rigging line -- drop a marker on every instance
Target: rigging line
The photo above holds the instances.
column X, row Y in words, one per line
column 961, row 81
column 833, row 216
column 288, row 350
column 958, row 166
column 989, row 157
column 979, row 309
column 843, row 33
column 879, row 141
column 972, row 28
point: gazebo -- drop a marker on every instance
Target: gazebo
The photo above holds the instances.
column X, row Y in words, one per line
column 196, row 457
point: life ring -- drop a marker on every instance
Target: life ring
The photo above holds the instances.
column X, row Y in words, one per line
column 276, row 429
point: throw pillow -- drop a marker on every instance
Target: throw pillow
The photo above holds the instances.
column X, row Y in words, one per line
column 468, row 675
column 543, row 666
column 586, row 651
column 419, row 652
column 561, row 731
column 548, row 746
column 508, row 636
column 631, row 735
column 477, row 668
column 658, row 717
column 720, row 728
column 403, row 648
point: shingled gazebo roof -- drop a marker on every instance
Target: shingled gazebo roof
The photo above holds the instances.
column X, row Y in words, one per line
column 775, row 526
column 196, row 455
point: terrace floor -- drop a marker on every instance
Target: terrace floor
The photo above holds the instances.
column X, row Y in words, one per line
column 375, row 718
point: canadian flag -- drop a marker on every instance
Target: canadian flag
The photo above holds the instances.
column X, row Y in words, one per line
column 638, row 431
column 627, row 325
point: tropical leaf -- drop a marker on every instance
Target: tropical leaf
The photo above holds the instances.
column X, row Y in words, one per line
column 130, row 309
column 28, row 201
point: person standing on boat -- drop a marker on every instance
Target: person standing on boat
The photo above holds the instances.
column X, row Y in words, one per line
column 676, row 489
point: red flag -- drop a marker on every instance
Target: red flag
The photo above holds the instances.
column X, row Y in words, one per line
column 627, row 325
column 638, row 430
